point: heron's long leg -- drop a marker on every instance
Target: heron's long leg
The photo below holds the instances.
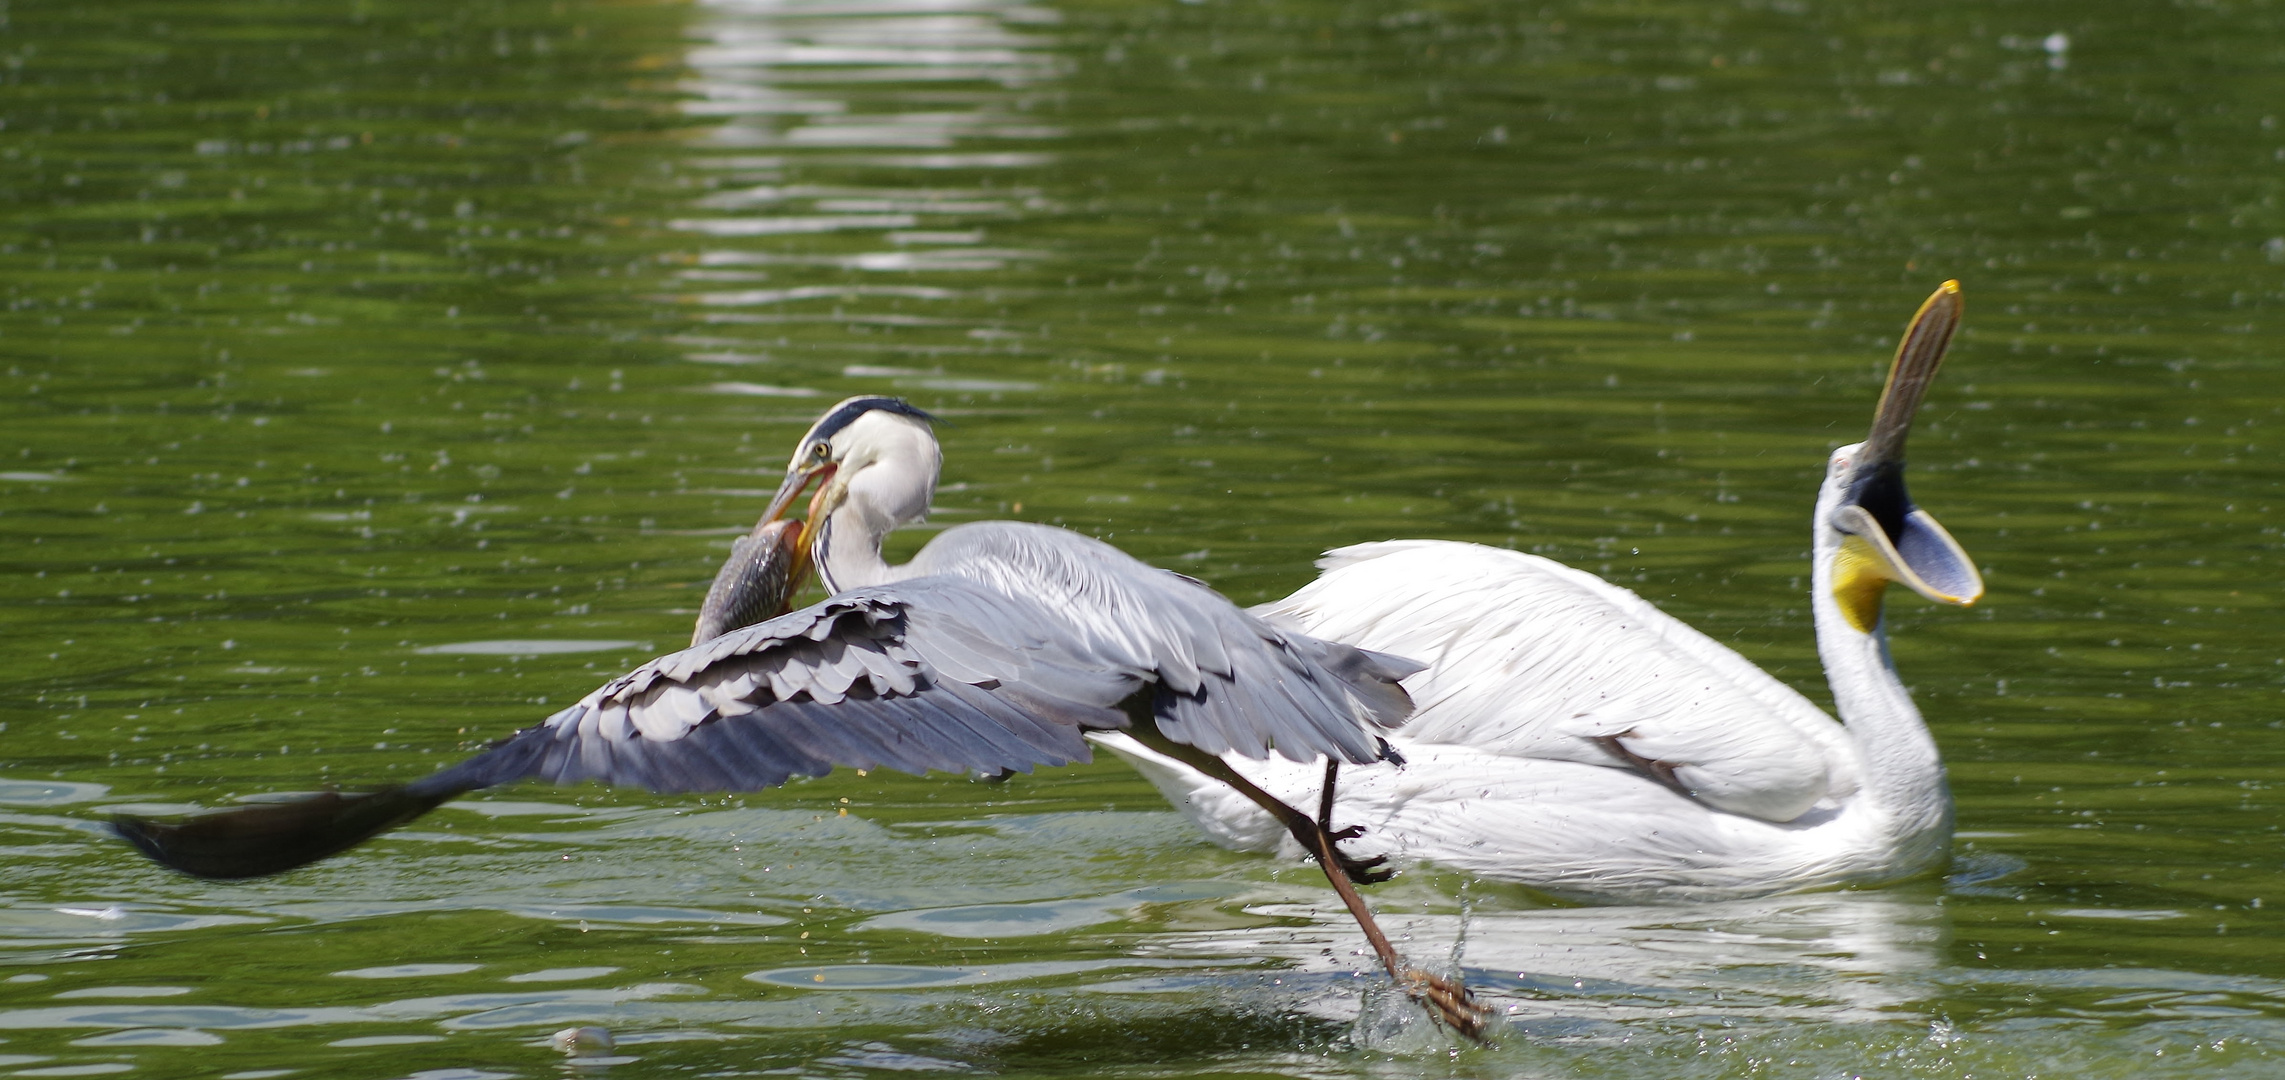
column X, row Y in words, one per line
column 1363, row 871
column 1448, row 999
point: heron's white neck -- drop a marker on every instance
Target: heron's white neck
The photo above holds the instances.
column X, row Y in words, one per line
column 847, row 553
column 884, row 479
column 1903, row 775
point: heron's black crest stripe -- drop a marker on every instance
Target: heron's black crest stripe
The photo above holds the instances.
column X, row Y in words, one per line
column 848, row 411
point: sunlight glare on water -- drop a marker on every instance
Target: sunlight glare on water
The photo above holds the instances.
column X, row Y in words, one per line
column 379, row 378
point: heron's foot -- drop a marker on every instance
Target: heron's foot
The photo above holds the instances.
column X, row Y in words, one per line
column 1364, row 871
column 1449, row 1001
column 1361, row 871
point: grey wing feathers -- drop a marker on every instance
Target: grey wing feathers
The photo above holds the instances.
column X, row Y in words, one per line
column 957, row 728
column 1273, row 699
column 1225, row 680
column 1020, row 639
column 1023, row 638
column 842, row 683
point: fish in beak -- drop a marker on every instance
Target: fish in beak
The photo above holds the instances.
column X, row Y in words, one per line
column 768, row 566
column 757, row 583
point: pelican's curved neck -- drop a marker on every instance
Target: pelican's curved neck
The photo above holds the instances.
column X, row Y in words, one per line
column 1903, row 772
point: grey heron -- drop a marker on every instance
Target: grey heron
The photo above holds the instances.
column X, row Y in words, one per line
column 1576, row 739
column 996, row 649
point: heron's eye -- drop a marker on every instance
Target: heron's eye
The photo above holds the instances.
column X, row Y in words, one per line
column 818, row 450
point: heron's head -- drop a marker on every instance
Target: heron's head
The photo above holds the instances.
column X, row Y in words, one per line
column 1867, row 524
column 875, row 455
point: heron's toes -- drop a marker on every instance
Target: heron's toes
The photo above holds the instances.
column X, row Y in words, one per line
column 1365, row 871
column 1361, row 871
column 1450, row 1002
column 1372, row 877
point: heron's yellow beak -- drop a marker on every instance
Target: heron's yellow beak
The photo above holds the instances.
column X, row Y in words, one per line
column 1885, row 537
column 798, row 567
column 796, row 479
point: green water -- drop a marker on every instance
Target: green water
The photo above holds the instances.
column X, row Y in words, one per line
column 346, row 342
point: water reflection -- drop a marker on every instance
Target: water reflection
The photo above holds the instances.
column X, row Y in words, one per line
column 1041, row 917
column 793, row 921
column 1845, row 956
column 851, row 90
column 909, row 976
column 48, row 792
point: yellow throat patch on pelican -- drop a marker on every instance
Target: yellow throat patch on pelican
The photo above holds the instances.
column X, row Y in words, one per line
column 1859, row 583
column 1923, row 558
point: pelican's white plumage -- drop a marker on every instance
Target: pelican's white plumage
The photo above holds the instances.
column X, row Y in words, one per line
column 1504, row 777
column 1572, row 737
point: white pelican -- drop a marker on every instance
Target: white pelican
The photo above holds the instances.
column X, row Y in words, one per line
column 1573, row 738
column 995, row 649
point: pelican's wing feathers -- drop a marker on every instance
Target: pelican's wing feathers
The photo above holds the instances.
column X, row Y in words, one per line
column 1533, row 659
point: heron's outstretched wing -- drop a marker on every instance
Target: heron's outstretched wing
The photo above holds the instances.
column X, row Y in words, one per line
column 1534, row 659
column 1224, row 680
column 845, row 682
column 934, row 673
column 1016, row 639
